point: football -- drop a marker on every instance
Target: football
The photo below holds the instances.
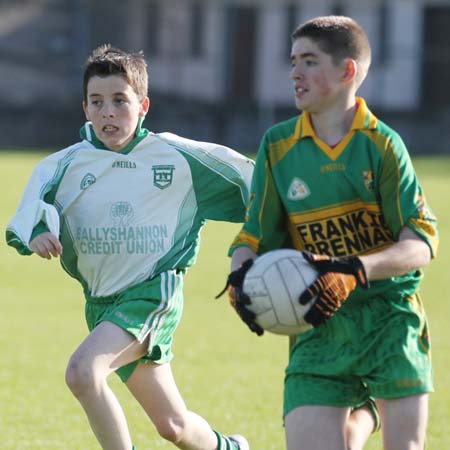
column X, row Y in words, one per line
column 274, row 283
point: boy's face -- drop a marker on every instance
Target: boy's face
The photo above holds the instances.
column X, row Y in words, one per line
column 318, row 83
column 114, row 110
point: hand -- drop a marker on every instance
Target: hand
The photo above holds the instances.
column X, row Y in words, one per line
column 338, row 277
column 46, row 245
column 238, row 299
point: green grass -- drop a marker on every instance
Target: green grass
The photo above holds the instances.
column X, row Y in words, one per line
column 228, row 375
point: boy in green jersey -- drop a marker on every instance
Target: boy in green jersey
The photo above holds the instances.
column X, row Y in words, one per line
column 123, row 208
column 338, row 184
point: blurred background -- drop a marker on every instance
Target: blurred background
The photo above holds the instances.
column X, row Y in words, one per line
column 218, row 68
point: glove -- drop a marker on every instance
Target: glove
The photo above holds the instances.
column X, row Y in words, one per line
column 238, row 299
column 338, row 277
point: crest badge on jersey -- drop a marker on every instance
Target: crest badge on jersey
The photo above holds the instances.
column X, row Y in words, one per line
column 298, row 189
column 121, row 213
column 162, row 176
column 368, row 179
column 87, row 180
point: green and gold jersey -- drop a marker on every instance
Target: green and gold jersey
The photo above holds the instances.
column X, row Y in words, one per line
column 352, row 199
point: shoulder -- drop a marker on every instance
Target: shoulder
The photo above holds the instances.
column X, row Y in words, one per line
column 386, row 140
column 282, row 130
column 387, row 147
column 65, row 154
column 387, row 131
column 279, row 140
column 184, row 144
column 170, row 138
column 204, row 152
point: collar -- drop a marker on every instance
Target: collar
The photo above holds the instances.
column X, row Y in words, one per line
column 363, row 119
column 87, row 133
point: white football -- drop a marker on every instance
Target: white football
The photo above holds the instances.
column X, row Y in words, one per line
column 274, row 283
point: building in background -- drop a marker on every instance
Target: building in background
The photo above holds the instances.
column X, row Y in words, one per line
column 218, row 68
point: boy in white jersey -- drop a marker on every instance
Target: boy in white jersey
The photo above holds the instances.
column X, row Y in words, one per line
column 123, row 209
column 338, row 184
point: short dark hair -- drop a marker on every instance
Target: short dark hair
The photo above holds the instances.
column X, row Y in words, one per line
column 107, row 60
column 339, row 36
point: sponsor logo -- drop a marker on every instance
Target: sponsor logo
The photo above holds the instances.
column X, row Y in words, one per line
column 116, row 240
column 87, row 180
column 121, row 213
column 162, row 176
column 346, row 232
column 124, row 164
column 298, row 190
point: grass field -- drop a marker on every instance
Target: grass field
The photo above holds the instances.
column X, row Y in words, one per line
column 228, row 375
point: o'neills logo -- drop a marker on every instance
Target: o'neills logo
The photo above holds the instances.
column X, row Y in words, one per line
column 124, row 164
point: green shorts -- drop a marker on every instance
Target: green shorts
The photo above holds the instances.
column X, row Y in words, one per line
column 377, row 347
column 151, row 309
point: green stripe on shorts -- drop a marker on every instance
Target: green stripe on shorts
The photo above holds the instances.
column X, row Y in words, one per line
column 150, row 310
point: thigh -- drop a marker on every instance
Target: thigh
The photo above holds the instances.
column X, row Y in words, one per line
column 154, row 388
column 316, row 428
column 322, row 363
column 301, row 389
column 403, row 422
column 108, row 347
column 399, row 362
column 360, row 425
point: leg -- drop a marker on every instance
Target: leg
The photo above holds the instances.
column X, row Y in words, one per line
column 154, row 388
column 107, row 348
column 360, row 425
column 404, row 422
column 316, row 428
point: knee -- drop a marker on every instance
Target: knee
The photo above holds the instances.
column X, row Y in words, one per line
column 80, row 377
column 171, row 428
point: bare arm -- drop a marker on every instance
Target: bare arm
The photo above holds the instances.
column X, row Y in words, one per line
column 240, row 255
column 409, row 253
column 46, row 245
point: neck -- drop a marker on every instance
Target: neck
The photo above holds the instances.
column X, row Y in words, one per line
column 332, row 124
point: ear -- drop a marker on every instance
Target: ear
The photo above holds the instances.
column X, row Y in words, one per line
column 86, row 110
column 145, row 106
column 350, row 70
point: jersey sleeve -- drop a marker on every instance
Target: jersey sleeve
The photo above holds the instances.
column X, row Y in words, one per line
column 34, row 214
column 402, row 197
column 221, row 181
column 265, row 226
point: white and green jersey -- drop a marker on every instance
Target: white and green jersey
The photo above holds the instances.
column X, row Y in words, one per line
column 125, row 217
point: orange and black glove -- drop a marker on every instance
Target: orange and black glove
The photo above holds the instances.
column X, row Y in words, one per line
column 238, row 299
column 338, row 277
